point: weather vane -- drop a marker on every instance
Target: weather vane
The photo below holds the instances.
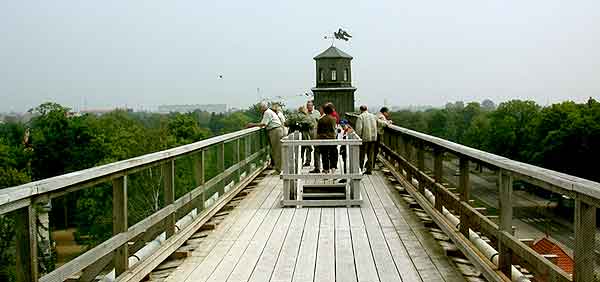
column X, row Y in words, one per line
column 339, row 35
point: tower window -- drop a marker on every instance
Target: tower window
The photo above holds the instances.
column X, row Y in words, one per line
column 333, row 75
column 346, row 75
column 321, row 75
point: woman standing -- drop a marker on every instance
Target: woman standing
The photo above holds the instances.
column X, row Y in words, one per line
column 326, row 129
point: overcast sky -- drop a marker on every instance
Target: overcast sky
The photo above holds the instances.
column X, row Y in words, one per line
column 146, row 53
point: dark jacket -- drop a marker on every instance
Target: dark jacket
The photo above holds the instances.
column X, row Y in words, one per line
column 326, row 128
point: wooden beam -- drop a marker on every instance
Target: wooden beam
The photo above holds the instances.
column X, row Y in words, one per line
column 26, row 244
column 168, row 172
column 121, row 254
column 464, row 188
column 505, row 186
column 199, row 175
column 585, row 238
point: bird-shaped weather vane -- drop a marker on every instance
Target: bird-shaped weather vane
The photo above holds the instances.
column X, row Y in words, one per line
column 339, row 35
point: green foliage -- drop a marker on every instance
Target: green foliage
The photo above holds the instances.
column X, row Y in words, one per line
column 560, row 137
column 60, row 142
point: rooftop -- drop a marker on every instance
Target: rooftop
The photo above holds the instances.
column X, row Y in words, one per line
column 333, row 52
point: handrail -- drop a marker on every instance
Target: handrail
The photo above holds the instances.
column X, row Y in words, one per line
column 403, row 150
column 199, row 204
column 561, row 180
column 9, row 196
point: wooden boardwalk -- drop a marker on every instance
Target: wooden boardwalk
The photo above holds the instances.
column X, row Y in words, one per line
column 260, row 241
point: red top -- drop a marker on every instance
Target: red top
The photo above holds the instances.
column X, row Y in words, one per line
column 337, row 118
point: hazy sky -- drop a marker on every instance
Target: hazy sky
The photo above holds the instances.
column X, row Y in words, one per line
column 147, row 53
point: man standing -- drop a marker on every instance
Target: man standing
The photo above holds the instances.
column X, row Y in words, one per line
column 274, row 127
column 316, row 115
column 366, row 128
column 383, row 120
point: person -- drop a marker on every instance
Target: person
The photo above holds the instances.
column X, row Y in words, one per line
column 276, row 107
column 346, row 130
column 274, row 125
column 366, row 128
column 326, row 129
column 334, row 113
column 383, row 120
column 306, row 125
column 307, row 151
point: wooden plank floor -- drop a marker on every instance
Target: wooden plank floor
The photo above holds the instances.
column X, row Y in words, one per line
column 260, row 241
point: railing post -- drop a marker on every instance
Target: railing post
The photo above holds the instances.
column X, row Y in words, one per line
column 248, row 153
column 286, row 170
column 407, row 156
column 200, row 179
column 438, row 170
column 421, row 165
column 421, row 156
column 505, row 180
column 169, row 194
column 237, row 158
column 354, row 159
column 42, row 209
column 221, row 167
column 585, row 237
column 464, row 188
column 26, row 244
column 121, row 258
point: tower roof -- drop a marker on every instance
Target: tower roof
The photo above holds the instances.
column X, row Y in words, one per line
column 333, row 52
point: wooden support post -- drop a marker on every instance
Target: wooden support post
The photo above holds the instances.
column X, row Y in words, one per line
column 585, row 237
column 221, row 167
column 420, row 156
column 168, row 169
column 200, row 178
column 121, row 256
column 26, row 244
column 248, row 153
column 464, row 188
column 505, row 180
column 236, row 159
column 354, row 163
column 285, row 169
column 407, row 155
column 438, row 170
column 438, row 161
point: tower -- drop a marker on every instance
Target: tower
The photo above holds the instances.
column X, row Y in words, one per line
column 334, row 80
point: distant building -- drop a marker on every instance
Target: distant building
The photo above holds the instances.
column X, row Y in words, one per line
column 334, row 80
column 211, row 108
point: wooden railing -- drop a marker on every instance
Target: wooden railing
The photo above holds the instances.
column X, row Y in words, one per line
column 405, row 150
column 293, row 189
column 247, row 156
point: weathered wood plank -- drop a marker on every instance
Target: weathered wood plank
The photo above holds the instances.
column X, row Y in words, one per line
column 363, row 256
column 284, row 269
column 427, row 256
column 26, row 244
column 269, row 256
column 248, row 261
column 120, row 222
column 305, row 264
column 209, row 244
column 325, row 265
column 345, row 268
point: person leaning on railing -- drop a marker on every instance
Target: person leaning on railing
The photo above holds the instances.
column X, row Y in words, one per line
column 326, row 129
column 383, row 120
column 274, row 125
column 366, row 128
